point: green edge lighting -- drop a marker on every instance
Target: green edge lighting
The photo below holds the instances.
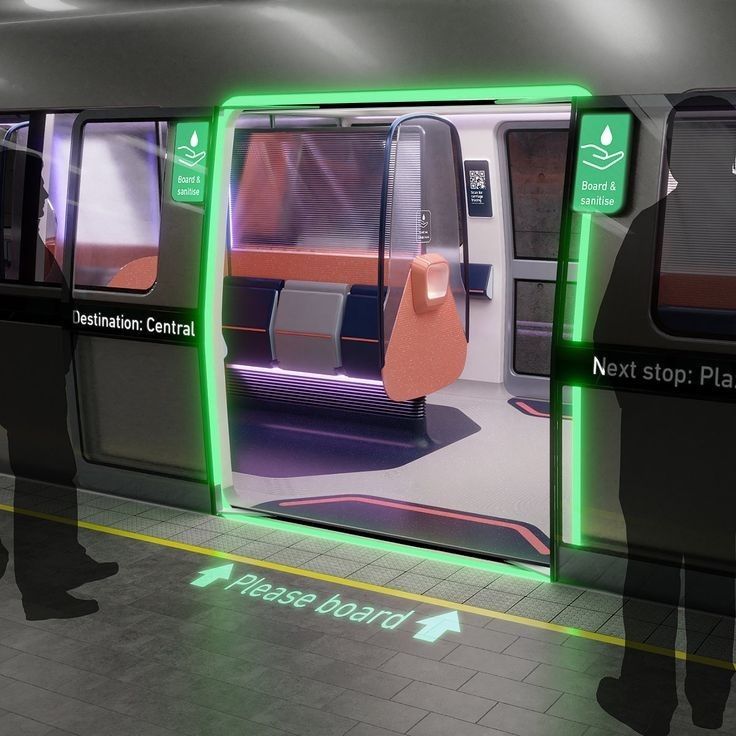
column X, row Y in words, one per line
column 386, row 546
column 576, row 521
column 586, row 224
column 403, row 96
column 211, row 340
column 576, row 504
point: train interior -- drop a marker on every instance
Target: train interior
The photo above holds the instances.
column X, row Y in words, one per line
column 387, row 312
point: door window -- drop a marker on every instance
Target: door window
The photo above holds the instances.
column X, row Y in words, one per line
column 536, row 159
column 14, row 136
column 119, row 209
column 696, row 283
column 34, row 166
column 534, row 302
column 537, row 174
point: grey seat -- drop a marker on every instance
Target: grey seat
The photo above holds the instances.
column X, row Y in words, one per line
column 308, row 323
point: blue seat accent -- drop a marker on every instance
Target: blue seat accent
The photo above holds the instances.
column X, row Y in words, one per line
column 361, row 354
column 247, row 318
column 479, row 277
column 366, row 290
column 259, row 283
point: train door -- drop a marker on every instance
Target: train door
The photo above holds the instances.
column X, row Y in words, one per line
column 133, row 237
column 327, row 212
column 644, row 346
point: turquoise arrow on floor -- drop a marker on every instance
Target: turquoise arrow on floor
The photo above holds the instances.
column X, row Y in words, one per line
column 434, row 627
column 214, row 573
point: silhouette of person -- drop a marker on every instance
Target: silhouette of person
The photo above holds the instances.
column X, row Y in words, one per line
column 677, row 482
column 48, row 558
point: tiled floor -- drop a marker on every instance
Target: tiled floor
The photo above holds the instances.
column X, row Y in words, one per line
column 559, row 604
column 164, row 657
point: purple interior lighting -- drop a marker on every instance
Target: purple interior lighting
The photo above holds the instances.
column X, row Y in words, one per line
column 282, row 373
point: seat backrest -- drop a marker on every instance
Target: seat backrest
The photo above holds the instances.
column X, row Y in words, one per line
column 308, row 321
column 248, row 316
column 359, row 336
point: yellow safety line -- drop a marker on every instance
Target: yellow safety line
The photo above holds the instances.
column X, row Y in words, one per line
column 417, row 597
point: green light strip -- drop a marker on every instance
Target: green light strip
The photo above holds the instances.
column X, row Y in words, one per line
column 524, row 94
column 586, row 225
column 576, row 509
column 576, row 500
column 211, row 338
column 386, row 546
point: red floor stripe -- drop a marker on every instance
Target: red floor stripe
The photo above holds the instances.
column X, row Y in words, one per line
column 530, row 409
column 518, row 528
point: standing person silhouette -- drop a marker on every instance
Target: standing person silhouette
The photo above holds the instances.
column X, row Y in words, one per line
column 48, row 558
column 677, row 472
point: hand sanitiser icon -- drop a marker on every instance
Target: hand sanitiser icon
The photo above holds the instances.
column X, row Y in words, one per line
column 603, row 159
column 190, row 156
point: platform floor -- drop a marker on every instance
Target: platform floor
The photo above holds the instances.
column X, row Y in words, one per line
column 163, row 656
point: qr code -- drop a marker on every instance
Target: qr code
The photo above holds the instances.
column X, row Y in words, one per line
column 477, row 179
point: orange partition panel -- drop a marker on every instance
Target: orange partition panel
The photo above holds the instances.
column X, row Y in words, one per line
column 339, row 268
column 426, row 352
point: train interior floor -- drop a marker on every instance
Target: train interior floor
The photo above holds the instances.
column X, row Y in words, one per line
column 225, row 626
column 281, row 460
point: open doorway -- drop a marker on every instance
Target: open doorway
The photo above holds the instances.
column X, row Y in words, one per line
column 387, row 364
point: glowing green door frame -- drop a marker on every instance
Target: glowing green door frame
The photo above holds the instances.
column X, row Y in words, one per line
column 215, row 233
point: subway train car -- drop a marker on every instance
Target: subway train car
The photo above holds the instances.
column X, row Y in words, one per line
column 307, row 253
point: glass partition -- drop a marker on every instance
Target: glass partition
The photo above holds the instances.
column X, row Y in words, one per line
column 423, row 210
column 307, row 190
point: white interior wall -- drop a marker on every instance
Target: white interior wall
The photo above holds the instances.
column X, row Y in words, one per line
column 486, row 244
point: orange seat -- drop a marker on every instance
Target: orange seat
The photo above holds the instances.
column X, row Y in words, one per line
column 138, row 275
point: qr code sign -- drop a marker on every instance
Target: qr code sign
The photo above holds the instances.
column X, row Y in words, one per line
column 477, row 179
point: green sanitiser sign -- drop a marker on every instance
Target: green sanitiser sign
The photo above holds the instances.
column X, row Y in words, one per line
column 602, row 170
column 190, row 161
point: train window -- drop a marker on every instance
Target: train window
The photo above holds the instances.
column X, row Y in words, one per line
column 534, row 305
column 14, row 137
column 537, row 173
column 696, row 284
column 119, row 209
column 314, row 189
column 34, row 166
column 53, row 198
